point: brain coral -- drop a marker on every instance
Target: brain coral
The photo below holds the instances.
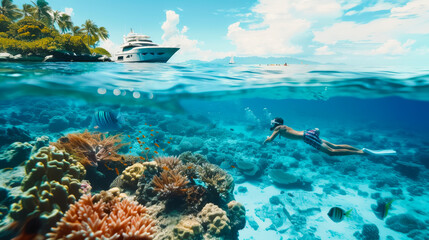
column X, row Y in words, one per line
column 237, row 215
column 188, row 229
column 52, row 182
column 117, row 220
column 215, row 220
column 131, row 175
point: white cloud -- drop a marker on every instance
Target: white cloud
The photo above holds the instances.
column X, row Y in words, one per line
column 110, row 46
column 393, row 47
column 69, row 11
column 323, row 51
column 409, row 19
column 281, row 22
column 189, row 49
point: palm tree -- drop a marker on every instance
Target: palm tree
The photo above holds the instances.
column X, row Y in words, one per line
column 42, row 10
column 65, row 23
column 103, row 33
column 28, row 10
column 76, row 31
column 90, row 29
column 10, row 10
column 55, row 18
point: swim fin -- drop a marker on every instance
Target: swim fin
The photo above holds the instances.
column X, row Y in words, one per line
column 386, row 152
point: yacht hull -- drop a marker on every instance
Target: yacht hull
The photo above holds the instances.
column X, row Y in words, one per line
column 146, row 54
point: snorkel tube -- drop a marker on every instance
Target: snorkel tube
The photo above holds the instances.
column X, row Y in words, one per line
column 276, row 122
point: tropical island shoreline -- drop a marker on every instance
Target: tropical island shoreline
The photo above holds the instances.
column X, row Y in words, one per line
column 36, row 33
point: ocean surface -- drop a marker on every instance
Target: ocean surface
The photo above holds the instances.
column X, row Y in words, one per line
column 224, row 111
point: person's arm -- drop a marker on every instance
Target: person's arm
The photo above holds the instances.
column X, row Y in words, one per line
column 273, row 136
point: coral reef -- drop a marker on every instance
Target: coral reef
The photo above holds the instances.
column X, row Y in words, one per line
column 15, row 154
column 369, row 232
column 217, row 180
column 188, row 157
column 188, row 229
column 248, row 168
column 215, row 220
column 404, row 223
column 51, row 183
column 14, row 134
column 117, row 219
column 91, row 148
column 130, row 176
column 170, row 184
column 237, row 214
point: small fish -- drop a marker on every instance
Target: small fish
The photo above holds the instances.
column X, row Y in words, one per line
column 151, row 130
column 163, row 149
column 168, row 142
column 129, row 136
column 231, row 129
column 145, row 123
column 151, row 134
column 108, row 168
column 165, row 168
column 96, row 127
column 155, row 152
column 232, row 166
column 142, row 158
column 157, row 132
column 137, row 138
column 140, row 131
column 131, row 147
column 143, row 136
column 117, row 172
column 147, row 148
column 337, row 214
column 156, row 144
column 171, row 138
column 386, row 208
column 189, row 167
column 8, row 168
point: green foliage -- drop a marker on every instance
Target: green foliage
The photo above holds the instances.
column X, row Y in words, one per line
column 35, row 33
column 101, row 51
column 4, row 23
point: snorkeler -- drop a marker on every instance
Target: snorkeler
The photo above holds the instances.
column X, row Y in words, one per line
column 311, row 137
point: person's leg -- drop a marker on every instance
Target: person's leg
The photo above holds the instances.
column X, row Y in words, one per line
column 340, row 146
column 324, row 147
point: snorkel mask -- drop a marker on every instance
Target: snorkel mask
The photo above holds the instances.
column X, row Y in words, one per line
column 274, row 124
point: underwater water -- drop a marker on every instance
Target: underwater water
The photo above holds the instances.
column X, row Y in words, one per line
column 223, row 112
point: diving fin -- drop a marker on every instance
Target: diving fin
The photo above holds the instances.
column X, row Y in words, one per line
column 386, row 152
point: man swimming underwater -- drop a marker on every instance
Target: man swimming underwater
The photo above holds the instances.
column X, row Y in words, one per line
column 311, row 137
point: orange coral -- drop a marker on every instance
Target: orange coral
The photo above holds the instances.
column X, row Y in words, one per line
column 168, row 163
column 170, row 183
column 116, row 220
column 90, row 148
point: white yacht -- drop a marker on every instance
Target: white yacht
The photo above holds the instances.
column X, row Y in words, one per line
column 139, row 48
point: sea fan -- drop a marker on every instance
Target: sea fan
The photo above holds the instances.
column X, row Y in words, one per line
column 91, row 148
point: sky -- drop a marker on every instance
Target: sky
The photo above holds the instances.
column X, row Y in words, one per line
column 354, row 32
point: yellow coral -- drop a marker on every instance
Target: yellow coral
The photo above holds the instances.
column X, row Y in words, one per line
column 132, row 174
column 188, row 229
column 215, row 220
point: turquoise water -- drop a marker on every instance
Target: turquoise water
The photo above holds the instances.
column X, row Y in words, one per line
column 224, row 113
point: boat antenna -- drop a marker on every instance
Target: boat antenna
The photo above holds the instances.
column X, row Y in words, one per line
column 132, row 30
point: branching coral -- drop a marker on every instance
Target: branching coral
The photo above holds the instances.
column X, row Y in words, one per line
column 196, row 197
column 216, row 178
column 91, row 148
column 170, row 183
column 120, row 220
column 168, row 163
column 188, row 157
